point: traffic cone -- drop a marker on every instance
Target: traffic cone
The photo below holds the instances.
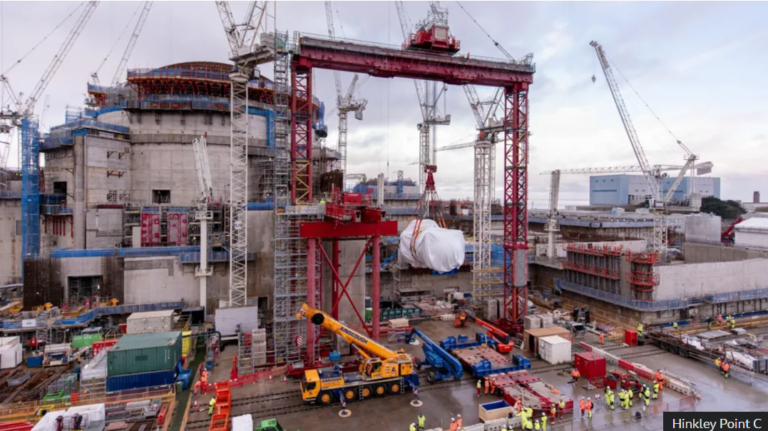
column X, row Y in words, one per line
column 195, row 404
column 270, row 377
column 285, row 380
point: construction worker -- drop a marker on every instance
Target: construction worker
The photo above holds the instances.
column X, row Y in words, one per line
column 529, row 412
column 413, row 427
column 726, row 368
column 660, row 379
column 655, row 390
column 674, row 326
column 718, row 363
column 575, row 375
column 553, row 412
column 543, row 422
column 459, row 421
column 211, row 406
column 196, row 388
column 479, row 385
column 647, row 396
column 630, row 395
column 602, row 337
column 454, row 427
column 623, row 399
column 640, row 329
column 720, row 319
column 582, row 406
column 422, row 420
column 493, row 386
column 537, row 426
column 561, row 406
column 487, row 385
column 733, row 323
column 609, row 397
column 589, row 408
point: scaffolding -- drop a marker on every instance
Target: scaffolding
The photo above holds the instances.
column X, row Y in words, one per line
column 486, row 279
column 30, row 189
column 290, row 251
column 598, row 266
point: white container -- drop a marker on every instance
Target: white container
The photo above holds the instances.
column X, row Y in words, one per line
column 96, row 368
column 531, row 322
column 93, row 412
column 555, row 349
column 546, row 320
column 227, row 319
column 10, row 355
column 242, row 423
column 48, row 422
column 150, row 322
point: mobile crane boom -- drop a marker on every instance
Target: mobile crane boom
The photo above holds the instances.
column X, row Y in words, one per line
column 319, row 317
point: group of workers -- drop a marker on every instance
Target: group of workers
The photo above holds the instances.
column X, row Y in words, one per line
column 456, row 423
column 490, row 386
column 723, row 366
column 730, row 321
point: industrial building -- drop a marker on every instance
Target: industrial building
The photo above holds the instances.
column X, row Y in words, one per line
column 618, row 190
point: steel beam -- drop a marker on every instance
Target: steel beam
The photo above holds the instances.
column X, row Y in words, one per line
column 301, row 133
column 329, row 230
column 387, row 62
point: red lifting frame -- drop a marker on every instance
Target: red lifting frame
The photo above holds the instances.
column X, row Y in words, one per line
column 301, row 133
column 515, row 201
column 317, row 231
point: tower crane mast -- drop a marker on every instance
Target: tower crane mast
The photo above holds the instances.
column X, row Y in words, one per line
column 344, row 103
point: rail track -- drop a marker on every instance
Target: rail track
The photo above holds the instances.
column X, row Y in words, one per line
column 264, row 405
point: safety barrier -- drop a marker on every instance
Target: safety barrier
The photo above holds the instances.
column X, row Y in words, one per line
column 592, row 270
column 688, row 401
column 598, row 250
column 248, row 379
column 656, row 408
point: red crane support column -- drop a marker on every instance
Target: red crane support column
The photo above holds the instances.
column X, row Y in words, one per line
column 375, row 286
column 334, row 283
column 515, row 201
column 301, row 132
column 311, row 244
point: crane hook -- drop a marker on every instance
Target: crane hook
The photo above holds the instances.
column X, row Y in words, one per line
column 593, row 79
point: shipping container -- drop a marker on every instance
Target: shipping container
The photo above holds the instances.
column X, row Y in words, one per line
column 142, row 380
column 11, row 352
column 555, row 349
column 85, row 340
column 150, row 322
column 227, row 319
column 531, row 322
column 531, row 336
column 590, row 365
column 144, row 353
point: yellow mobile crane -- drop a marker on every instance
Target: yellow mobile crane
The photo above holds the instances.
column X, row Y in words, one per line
column 382, row 372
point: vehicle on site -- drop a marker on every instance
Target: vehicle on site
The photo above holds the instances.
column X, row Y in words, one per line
column 443, row 366
column 268, row 425
column 381, row 372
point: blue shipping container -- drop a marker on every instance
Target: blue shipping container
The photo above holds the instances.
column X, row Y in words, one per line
column 143, row 380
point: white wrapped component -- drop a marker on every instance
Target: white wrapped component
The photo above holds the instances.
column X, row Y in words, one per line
column 439, row 249
column 746, row 361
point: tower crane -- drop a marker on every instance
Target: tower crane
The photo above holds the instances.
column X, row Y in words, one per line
column 436, row 28
column 345, row 103
column 29, row 142
column 552, row 226
column 131, row 43
column 203, row 167
column 246, row 55
column 657, row 201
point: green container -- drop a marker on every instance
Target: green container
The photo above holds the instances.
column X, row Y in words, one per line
column 144, row 353
column 368, row 314
column 87, row 340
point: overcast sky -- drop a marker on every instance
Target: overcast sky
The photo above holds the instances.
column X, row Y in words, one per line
column 700, row 66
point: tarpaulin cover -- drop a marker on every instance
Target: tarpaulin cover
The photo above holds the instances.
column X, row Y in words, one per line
column 439, row 249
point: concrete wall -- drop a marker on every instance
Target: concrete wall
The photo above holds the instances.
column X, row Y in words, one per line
column 701, row 253
column 108, row 175
column 104, row 227
column 696, row 280
column 195, row 123
column 260, row 237
column 10, row 241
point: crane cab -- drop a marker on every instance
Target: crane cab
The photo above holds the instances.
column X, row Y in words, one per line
column 435, row 38
column 310, row 385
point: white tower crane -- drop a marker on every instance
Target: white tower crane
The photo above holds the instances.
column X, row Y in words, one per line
column 246, row 55
column 552, row 226
column 345, row 103
column 203, row 167
column 131, row 43
column 428, row 98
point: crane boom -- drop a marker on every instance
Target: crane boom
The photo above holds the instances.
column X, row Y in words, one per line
column 230, row 29
column 657, row 169
column 69, row 41
column 131, row 43
column 318, row 317
column 332, row 34
column 627, row 121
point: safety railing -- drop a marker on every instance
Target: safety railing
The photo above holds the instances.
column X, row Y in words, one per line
column 599, row 250
column 641, row 278
column 592, row 270
column 662, row 305
column 647, row 258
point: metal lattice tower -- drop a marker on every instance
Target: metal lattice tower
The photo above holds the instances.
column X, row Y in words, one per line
column 290, row 251
column 238, row 183
column 485, row 279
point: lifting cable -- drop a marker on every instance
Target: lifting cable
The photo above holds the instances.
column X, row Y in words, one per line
column 498, row 45
column 644, row 102
column 141, row 5
column 43, row 40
